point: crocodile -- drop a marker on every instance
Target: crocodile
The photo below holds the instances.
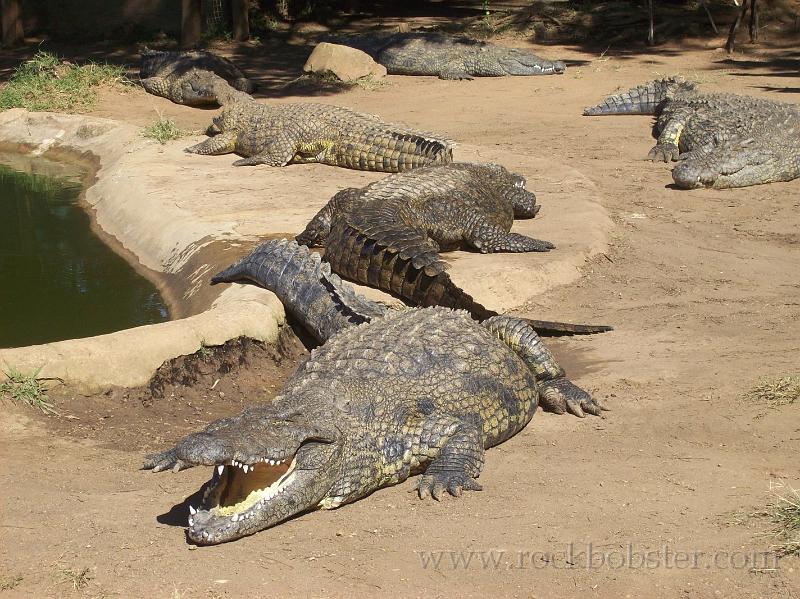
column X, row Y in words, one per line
column 194, row 78
column 417, row 391
column 281, row 134
column 389, row 234
column 720, row 140
column 451, row 57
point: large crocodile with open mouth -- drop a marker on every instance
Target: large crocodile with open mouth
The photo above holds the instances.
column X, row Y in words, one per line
column 719, row 140
column 389, row 234
column 193, row 77
column 281, row 134
column 417, row 391
column 450, row 57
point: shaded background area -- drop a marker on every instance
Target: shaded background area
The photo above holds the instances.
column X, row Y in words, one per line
column 283, row 32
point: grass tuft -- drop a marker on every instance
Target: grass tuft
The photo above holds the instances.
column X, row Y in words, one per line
column 80, row 579
column 327, row 81
column 8, row 583
column 27, row 389
column 163, row 130
column 776, row 391
column 45, row 82
column 784, row 512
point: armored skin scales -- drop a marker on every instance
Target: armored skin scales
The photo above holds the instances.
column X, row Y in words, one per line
column 281, row 134
column 388, row 235
column 193, row 77
column 451, row 57
column 719, row 140
column 417, row 391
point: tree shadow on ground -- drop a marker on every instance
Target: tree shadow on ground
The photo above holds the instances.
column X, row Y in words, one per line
column 274, row 58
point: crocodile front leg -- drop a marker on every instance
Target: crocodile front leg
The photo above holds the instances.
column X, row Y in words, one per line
column 669, row 138
column 487, row 238
column 455, row 70
column 275, row 153
column 454, row 450
column 223, row 143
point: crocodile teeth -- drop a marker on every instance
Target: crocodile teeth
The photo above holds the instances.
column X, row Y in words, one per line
column 192, row 511
column 191, row 521
column 246, row 468
column 220, row 469
column 235, row 518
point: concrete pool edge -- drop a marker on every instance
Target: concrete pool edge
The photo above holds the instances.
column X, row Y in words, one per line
column 130, row 357
column 184, row 217
column 155, row 237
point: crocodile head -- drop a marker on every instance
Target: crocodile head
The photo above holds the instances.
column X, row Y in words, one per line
column 733, row 164
column 198, row 88
column 518, row 62
column 512, row 187
column 267, row 466
column 316, row 232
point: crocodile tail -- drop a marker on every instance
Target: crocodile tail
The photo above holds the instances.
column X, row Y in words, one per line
column 548, row 328
column 404, row 268
column 318, row 299
column 390, row 151
column 644, row 99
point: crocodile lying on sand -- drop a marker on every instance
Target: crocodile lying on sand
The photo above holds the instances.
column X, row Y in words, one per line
column 720, row 140
column 388, row 235
column 194, row 77
column 284, row 134
column 419, row 391
column 451, row 57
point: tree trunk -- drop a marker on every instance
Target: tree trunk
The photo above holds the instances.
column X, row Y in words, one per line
column 710, row 18
column 11, row 22
column 735, row 26
column 241, row 20
column 753, row 20
column 191, row 22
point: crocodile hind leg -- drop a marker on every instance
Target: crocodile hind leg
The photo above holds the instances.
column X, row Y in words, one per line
column 556, row 392
column 488, row 239
column 222, row 143
column 455, row 450
column 274, row 154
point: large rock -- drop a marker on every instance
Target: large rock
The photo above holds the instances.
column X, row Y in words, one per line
column 344, row 62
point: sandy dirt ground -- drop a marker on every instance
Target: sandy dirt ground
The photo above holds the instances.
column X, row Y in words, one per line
column 654, row 500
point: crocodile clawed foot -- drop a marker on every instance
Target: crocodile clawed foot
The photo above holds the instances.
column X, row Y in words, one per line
column 562, row 395
column 166, row 460
column 434, row 485
column 664, row 152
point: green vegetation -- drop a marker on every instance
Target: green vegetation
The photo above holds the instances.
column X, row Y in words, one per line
column 163, row 130
column 45, row 82
column 205, row 351
column 27, row 389
column 776, row 391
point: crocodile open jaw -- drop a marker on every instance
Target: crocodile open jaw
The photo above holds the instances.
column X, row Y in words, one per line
column 237, row 492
